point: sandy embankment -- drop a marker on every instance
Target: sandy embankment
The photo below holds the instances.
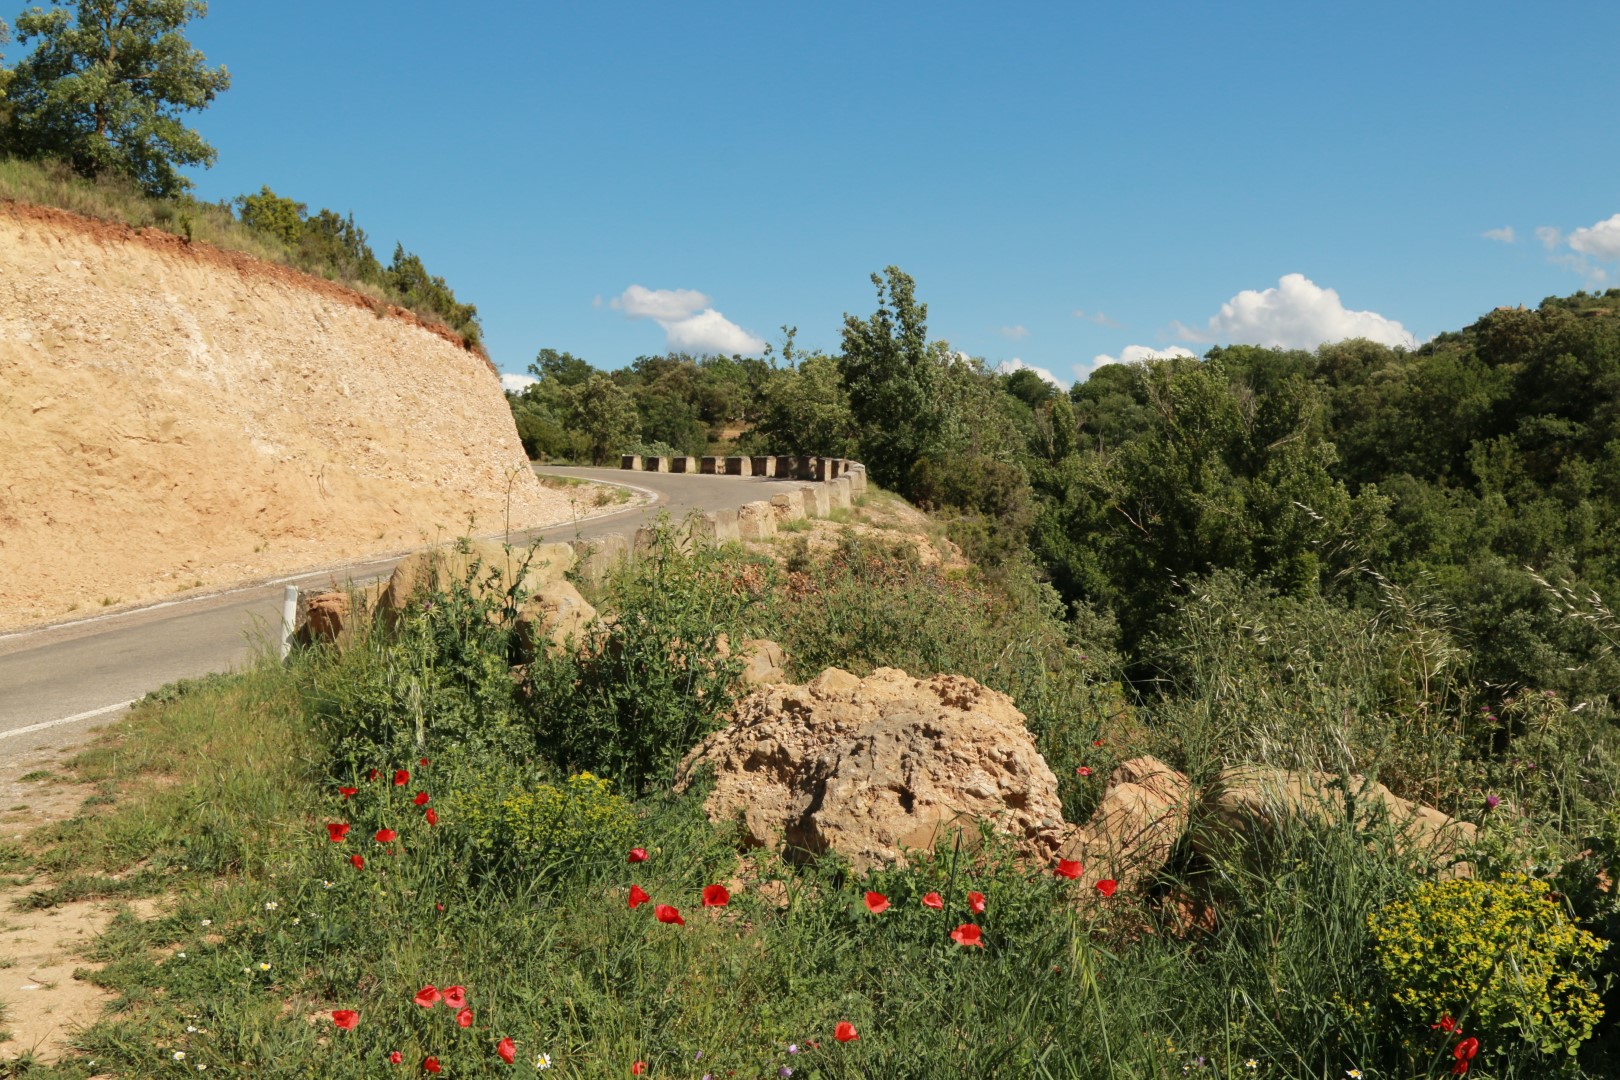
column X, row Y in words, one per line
column 176, row 417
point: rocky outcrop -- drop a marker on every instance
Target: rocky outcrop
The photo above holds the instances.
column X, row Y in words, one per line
column 871, row 768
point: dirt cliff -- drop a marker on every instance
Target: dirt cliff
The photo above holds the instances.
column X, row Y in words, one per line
column 173, row 416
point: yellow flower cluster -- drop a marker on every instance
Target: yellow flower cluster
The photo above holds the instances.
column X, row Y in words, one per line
column 553, row 823
column 1500, row 953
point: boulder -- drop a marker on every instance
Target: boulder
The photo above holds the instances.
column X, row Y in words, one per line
column 1130, row 835
column 764, row 661
column 556, row 613
column 487, row 567
column 1249, row 802
column 870, row 768
column 334, row 617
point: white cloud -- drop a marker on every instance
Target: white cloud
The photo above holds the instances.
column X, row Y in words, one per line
column 690, row 323
column 1007, row 367
column 1297, row 314
column 1600, row 241
column 1505, row 234
column 1096, row 317
column 1549, row 236
column 1131, row 354
column 1014, row 333
column 514, row 384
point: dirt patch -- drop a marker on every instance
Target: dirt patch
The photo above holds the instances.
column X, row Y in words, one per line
column 46, row 1005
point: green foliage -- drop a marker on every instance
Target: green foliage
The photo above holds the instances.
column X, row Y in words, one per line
column 806, row 411
column 104, row 88
column 273, row 215
column 1498, row 956
column 422, row 291
column 549, row 828
column 604, row 413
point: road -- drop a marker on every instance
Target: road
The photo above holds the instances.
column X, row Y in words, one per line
column 59, row 681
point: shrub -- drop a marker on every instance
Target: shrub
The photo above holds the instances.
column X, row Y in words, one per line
column 554, row 826
column 1499, row 956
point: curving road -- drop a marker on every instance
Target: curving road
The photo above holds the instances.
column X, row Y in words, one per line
column 58, row 681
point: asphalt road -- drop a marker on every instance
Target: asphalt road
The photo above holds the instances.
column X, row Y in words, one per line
column 59, row 681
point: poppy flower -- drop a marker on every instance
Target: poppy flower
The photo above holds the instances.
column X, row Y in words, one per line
column 401, row 777
column 372, row 775
column 345, row 1019
column 428, row 996
column 336, row 831
column 395, row 1058
column 422, row 762
column 976, row 903
column 455, row 997
column 348, row 792
column 1083, row 771
column 506, row 1050
column 877, row 903
column 845, row 1032
column 667, row 914
column 464, row 1018
column 359, row 863
column 1446, row 1024
column 1096, row 742
column 933, row 900
column 715, row 896
column 1068, row 868
column 386, row 836
column 968, row 934
column 1464, row 1052
column 421, row 798
column 1107, row 886
column 432, row 816
column 638, row 896
column 638, row 1068
column 431, row 1065
column 637, row 854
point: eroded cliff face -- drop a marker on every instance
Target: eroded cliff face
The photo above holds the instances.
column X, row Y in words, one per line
column 174, row 417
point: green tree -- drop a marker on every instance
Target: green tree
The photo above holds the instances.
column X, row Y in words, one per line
column 430, row 294
column 561, row 369
column 892, row 375
column 272, row 215
column 604, row 412
column 105, row 86
column 807, row 411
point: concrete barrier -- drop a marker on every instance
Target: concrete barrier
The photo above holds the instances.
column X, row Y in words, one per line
column 789, row 506
column 838, row 495
column 716, row 527
column 739, row 466
column 711, row 466
column 655, row 464
column 816, row 501
column 764, row 465
column 630, row 461
column 756, row 521
column 594, row 558
column 857, row 479
column 683, row 465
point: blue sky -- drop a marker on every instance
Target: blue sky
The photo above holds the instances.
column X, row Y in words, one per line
column 750, row 165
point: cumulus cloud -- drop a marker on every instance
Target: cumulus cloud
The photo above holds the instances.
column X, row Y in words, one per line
column 1296, row 314
column 514, row 384
column 1505, row 234
column 1007, row 367
column 1131, row 354
column 1095, row 317
column 1014, row 333
column 690, row 322
column 1600, row 241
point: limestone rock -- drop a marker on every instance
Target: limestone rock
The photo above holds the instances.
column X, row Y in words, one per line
column 764, row 661
column 489, row 568
column 1130, row 835
column 557, row 613
column 871, row 767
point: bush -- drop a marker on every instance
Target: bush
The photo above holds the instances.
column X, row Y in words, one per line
column 550, row 826
column 1498, row 956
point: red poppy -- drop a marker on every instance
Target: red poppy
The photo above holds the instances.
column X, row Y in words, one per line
column 421, row 798
column 386, row 836
column 455, row 997
column 637, row 854
column 506, row 1050
column 336, row 831
column 359, row 863
column 432, row 816
column 372, row 775
column 667, row 914
column 976, row 903
column 968, row 934
column 1082, row 771
column 1446, row 1024
column 845, row 1032
column 395, row 1058
column 428, row 996
column 1465, row 1050
column 933, row 900
column 715, row 896
column 422, row 762
column 1068, row 868
column 877, row 903
column 638, row 1068
column 348, row 792
column 1107, row 886
column 464, row 1018
column 638, row 896
column 346, row 1019
column 401, row 777
column 1096, row 742
column 431, row 1065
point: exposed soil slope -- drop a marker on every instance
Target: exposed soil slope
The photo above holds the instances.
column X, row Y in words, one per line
column 174, row 416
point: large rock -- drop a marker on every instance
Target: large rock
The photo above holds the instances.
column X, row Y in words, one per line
column 869, row 768
column 487, row 567
column 556, row 613
column 1130, row 835
column 764, row 661
column 1251, row 802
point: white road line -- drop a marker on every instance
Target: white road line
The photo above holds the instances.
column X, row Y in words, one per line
column 92, row 714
